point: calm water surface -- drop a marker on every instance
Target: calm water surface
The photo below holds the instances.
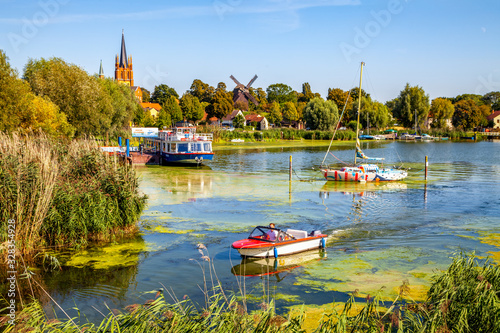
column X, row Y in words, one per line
column 379, row 234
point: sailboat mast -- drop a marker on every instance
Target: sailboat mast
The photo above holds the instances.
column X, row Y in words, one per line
column 359, row 111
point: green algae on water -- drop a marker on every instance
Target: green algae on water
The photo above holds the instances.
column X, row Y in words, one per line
column 115, row 255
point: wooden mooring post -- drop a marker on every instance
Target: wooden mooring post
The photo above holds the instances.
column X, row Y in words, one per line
column 290, row 175
column 426, row 166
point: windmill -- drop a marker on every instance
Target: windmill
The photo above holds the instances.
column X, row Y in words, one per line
column 242, row 93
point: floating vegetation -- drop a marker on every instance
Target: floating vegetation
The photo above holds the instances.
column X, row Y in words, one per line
column 115, row 255
column 372, row 272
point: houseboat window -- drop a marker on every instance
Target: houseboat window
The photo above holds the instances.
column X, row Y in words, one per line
column 182, row 147
column 164, row 146
column 173, row 147
column 207, row 147
column 197, row 147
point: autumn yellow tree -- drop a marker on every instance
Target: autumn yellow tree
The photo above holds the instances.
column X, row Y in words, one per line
column 21, row 109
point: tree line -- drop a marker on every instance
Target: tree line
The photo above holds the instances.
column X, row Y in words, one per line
column 62, row 99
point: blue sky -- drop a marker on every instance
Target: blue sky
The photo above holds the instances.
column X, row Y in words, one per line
column 446, row 47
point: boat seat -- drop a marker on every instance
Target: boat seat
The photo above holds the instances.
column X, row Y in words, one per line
column 297, row 233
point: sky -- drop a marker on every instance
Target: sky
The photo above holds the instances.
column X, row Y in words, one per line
column 446, row 47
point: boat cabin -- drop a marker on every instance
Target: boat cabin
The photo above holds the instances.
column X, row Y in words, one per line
column 362, row 168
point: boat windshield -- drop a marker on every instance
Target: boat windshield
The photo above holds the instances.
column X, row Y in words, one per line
column 269, row 234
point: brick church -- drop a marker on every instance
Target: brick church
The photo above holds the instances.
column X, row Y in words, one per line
column 124, row 73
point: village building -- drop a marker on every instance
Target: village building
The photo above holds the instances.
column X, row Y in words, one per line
column 495, row 118
column 137, row 91
column 152, row 108
column 262, row 123
column 430, row 120
column 228, row 120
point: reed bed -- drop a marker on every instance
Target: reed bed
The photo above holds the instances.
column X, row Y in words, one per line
column 465, row 298
column 62, row 193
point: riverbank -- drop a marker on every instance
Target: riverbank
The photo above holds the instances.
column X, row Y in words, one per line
column 276, row 144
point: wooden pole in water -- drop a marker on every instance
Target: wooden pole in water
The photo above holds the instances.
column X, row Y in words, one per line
column 426, row 166
column 290, row 176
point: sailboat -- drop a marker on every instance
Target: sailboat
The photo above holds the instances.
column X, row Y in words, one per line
column 362, row 172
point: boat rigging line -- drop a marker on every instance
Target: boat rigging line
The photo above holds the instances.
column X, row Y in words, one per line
column 336, row 128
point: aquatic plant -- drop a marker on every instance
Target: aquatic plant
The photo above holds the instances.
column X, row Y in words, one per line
column 63, row 193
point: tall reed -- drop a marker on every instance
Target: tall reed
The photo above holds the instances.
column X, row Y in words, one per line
column 63, row 193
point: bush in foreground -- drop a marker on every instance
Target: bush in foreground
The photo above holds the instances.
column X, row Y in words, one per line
column 63, row 193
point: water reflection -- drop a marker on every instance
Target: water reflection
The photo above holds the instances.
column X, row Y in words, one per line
column 275, row 266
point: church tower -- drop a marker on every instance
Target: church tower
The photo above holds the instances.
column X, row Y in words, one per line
column 123, row 66
column 101, row 72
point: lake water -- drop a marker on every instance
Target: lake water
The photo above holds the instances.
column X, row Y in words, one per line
column 379, row 234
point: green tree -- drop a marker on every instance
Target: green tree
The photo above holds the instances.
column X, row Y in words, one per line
column 341, row 98
column 275, row 117
column 161, row 93
column 478, row 99
column 81, row 97
column 13, row 96
column 173, row 109
column 306, row 95
column 146, row 95
column 239, row 121
column 203, row 91
column 163, row 120
column 320, row 114
column 411, row 102
column 281, row 93
column 290, row 112
column 191, row 107
column 120, row 104
column 222, row 103
column 493, row 99
column 378, row 113
column 441, row 110
column 467, row 115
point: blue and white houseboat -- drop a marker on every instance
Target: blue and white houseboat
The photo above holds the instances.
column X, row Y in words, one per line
column 182, row 145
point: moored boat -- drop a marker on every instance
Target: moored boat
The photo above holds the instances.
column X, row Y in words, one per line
column 181, row 144
column 366, row 173
column 266, row 242
column 361, row 172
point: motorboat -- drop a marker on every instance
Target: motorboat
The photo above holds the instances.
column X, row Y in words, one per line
column 264, row 242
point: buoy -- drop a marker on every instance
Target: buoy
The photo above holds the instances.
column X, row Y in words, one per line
column 275, row 252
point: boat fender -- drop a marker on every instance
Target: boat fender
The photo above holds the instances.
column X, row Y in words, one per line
column 275, row 253
column 323, row 245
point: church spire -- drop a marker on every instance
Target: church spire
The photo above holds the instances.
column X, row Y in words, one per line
column 101, row 71
column 123, row 54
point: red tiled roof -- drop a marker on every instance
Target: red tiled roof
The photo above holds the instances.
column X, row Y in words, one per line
column 254, row 117
column 493, row 115
column 155, row 106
